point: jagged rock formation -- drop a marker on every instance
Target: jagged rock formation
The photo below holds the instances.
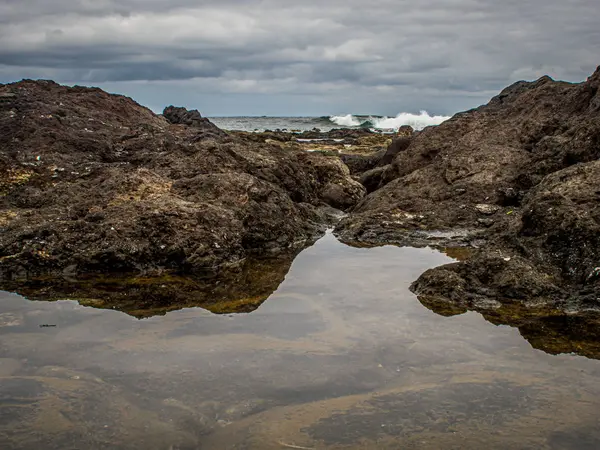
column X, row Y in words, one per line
column 181, row 116
column 523, row 172
column 93, row 182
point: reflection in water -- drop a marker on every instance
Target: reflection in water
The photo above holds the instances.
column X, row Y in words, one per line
column 340, row 356
column 234, row 290
column 550, row 330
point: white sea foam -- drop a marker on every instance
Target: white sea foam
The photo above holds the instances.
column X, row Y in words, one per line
column 417, row 121
column 346, row 121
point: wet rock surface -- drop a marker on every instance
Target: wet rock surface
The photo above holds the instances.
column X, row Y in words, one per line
column 93, row 182
column 521, row 174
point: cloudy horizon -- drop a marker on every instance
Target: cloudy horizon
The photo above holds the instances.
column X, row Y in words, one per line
column 252, row 57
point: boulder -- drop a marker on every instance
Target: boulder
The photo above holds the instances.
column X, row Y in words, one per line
column 181, row 116
column 359, row 164
column 405, row 130
column 398, row 145
column 371, row 179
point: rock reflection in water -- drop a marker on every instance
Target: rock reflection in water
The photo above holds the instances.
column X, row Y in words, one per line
column 341, row 356
column 550, row 330
column 233, row 290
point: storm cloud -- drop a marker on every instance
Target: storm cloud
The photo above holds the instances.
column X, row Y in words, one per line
column 293, row 58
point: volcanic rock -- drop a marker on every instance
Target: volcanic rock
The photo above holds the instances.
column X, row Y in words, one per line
column 181, row 116
column 93, row 182
column 398, row 145
column 358, row 164
column 486, row 209
column 530, row 158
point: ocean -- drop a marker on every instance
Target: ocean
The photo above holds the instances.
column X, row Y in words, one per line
column 326, row 123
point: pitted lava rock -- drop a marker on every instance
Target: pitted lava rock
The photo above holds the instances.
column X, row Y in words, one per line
column 521, row 174
column 94, row 182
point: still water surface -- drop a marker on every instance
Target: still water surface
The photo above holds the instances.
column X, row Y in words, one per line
column 340, row 356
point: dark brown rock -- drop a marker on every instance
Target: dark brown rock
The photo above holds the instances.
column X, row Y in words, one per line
column 405, row 130
column 398, row 145
column 359, row 164
column 507, row 146
column 181, row 116
column 528, row 160
column 485, row 277
column 560, row 222
column 372, row 179
column 97, row 183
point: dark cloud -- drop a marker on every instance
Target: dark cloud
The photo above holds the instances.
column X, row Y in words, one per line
column 382, row 56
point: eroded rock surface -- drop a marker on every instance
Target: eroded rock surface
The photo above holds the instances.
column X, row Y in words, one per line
column 93, row 182
column 181, row 116
column 522, row 174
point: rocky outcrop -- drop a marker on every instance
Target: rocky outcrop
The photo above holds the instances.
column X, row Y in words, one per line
column 181, row 116
column 397, row 146
column 520, row 174
column 360, row 163
column 374, row 169
column 93, row 182
column 527, row 132
column 372, row 179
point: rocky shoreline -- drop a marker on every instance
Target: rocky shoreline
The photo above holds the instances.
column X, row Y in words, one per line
column 95, row 183
column 517, row 178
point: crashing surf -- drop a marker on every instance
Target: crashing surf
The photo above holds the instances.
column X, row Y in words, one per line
column 417, row 121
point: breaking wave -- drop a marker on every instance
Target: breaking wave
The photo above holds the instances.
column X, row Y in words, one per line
column 417, row 121
column 346, row 121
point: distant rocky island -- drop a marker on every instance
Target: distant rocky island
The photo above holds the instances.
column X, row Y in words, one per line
column 94, row 184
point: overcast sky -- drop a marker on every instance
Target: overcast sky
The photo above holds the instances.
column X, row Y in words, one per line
column 308, row 57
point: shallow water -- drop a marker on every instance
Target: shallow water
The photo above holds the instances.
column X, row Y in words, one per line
column 340, row 356
column 274, row 123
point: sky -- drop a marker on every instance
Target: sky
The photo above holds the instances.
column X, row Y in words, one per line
column 309, row 57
